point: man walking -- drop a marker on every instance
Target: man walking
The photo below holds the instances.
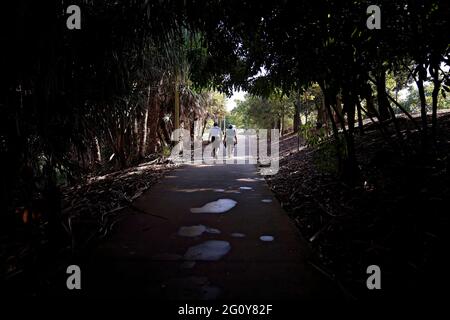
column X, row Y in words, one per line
column 230, row 140
column 215, row 136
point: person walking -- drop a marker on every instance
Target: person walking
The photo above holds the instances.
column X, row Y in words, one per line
column 215, row 136
column 230, row 140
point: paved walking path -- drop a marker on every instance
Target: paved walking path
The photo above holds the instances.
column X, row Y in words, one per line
column 146, row 255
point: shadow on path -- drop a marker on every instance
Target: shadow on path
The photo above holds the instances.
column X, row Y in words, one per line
column 206, row 255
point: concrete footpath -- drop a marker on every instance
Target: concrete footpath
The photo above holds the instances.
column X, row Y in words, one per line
column 221, row 257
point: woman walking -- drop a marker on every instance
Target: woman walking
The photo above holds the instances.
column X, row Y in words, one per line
column 230, row 140
column 215, row 135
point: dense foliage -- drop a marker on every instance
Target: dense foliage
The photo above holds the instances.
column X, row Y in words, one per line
column 104, row 97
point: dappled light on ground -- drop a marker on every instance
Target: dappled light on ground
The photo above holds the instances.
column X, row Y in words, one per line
column 219, row 206
column 266, row 238
column 246, row 180
column 211, row 250
column 238, row 235
column 195, row 231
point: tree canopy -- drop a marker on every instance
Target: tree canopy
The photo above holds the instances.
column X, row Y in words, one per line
column 106, row 93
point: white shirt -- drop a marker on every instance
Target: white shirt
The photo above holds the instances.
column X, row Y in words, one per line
column 215, row 132
column 231, row 133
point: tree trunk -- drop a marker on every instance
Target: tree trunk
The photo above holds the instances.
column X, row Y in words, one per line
column 136, row 139
column 360, row 119
column 204, row 126
column 98, row 152
column 177, row 101
column 297, row 120
column 154, row 117
column 338, row 111
column 165, row 133
column 370, row 102
column 327, row 105
column 422, row 74
column 350, row 170
column 322, row 116
column 382, row 99
column 143, row 146
column 435, row 95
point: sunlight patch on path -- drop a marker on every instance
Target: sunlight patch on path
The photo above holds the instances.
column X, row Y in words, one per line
column 192, row 231
column 219, row 206
column 211, row 250
column 246, row 180
column 213, row 231
column 238, row 235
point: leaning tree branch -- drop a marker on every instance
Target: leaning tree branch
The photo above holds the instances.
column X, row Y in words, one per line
column 400, row 107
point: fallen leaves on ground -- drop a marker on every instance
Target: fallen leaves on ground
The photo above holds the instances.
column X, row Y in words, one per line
column 395, row 217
